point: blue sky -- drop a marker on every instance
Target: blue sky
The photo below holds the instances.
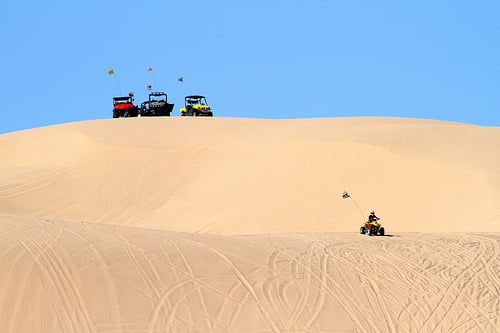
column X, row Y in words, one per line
column 264, row 59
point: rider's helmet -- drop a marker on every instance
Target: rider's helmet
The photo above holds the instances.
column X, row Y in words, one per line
column 372, row 212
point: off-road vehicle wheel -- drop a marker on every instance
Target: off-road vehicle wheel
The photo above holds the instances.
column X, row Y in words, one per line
column 381, row 231
column 362, row 230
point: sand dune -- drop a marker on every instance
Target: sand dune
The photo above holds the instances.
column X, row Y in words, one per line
column 233, row 176
column 238, row 225
column 82, row 277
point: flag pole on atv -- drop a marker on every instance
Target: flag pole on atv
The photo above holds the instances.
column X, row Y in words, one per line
column 346, row 195
column 370, row 227
column 111, row 72
column 150, row 70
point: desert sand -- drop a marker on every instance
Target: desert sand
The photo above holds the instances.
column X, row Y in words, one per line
column 238, row 225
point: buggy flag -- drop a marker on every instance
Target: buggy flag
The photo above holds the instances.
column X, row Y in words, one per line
column 111, row 72
column 180, row 79
column 150, row 69
column 148, row 87
column 345, row 195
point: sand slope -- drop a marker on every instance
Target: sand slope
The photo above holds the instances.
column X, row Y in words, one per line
column 230, row 176
column 238, row 225
column 81, row 277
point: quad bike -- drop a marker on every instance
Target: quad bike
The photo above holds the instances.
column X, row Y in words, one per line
column 372, row 228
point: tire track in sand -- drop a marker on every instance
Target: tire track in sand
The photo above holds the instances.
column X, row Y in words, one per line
column 44, row 179
column 102, row 271
column 451, row 297
column 189, row 271
column 56, row 277
column 343, row 300
column 246, row 283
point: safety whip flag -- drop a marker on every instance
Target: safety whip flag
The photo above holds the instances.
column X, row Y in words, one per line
column 346, row 195
column 111, row 72
column 180, row 79
column 150, row 70
column 148, row 87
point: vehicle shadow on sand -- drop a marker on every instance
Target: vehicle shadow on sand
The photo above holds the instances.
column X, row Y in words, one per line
column 386, row 235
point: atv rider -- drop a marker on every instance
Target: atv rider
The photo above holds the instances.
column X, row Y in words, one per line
column 372, row 217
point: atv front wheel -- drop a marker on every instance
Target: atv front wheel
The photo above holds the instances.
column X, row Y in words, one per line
column 362, row 230
column 381, row 231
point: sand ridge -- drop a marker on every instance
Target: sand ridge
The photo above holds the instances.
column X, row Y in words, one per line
column 234, row 176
